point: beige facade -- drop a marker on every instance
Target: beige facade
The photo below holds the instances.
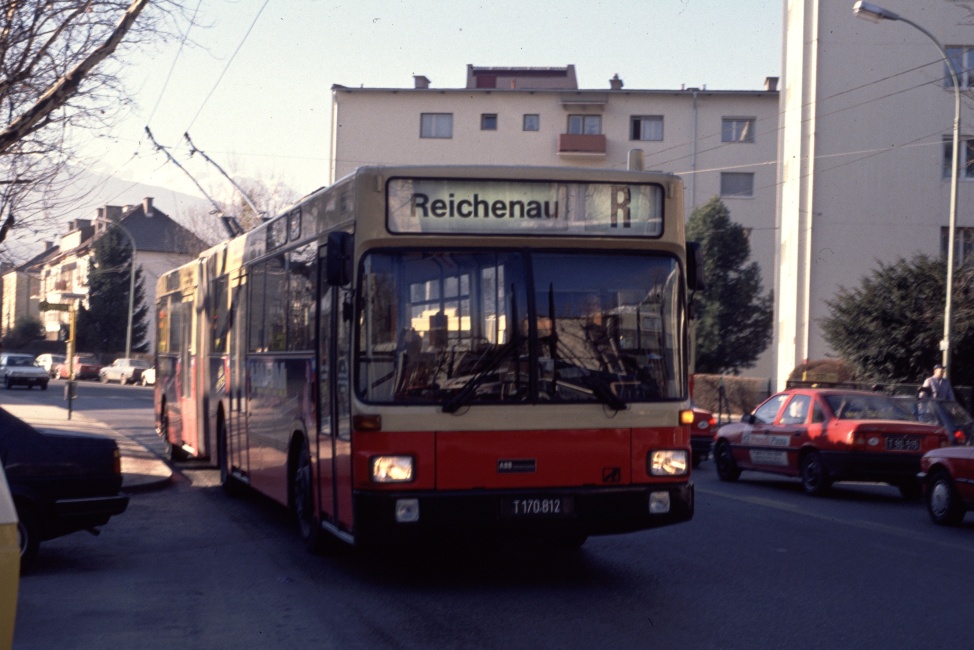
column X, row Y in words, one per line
column 531, row 116
column 161, row 245
column 866, row 110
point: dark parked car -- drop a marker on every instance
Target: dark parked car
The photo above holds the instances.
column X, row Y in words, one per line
column 61, row 483
column 702, row 433
column 949, row 414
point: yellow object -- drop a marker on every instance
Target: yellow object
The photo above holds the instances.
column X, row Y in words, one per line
column 9, row 564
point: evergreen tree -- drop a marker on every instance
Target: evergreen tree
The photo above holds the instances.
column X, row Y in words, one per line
column 25, row 330
column 103, row 326
column 890, row 327
column 733, row 324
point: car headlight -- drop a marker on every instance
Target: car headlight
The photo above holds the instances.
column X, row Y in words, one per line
column 392, row 469
column 668, row 462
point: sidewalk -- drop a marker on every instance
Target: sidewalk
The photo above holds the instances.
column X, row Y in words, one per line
column 141, row 468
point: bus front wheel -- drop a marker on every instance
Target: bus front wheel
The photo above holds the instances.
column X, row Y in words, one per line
column 302, row 499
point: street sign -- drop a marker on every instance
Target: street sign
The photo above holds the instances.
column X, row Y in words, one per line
column 53, row 306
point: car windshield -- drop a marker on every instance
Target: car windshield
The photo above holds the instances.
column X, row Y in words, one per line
column 867, row 407
column 454, row 328
column 20, row 361
column 88, row 361
column 958, row 413
column 923, row 410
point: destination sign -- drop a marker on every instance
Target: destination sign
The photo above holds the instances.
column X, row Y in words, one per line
column 486, row 207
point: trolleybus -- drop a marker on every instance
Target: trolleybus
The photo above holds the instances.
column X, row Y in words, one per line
column 421, row 352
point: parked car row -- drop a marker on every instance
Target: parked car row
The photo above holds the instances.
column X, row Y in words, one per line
column 824, row 436
column 21, row 369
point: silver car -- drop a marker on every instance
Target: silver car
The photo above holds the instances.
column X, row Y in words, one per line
column 124, row 371
column 19, row 369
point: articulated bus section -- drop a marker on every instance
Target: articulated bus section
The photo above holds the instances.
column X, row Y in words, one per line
column 421, row 353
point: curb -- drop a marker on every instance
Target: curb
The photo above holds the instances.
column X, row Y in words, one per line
column 142, row 469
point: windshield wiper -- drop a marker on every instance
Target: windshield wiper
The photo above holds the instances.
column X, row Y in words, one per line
column 465, row 394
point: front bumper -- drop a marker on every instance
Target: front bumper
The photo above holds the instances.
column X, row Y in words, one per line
column 479, row 513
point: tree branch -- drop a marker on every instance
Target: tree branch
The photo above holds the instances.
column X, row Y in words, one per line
column 58, row 94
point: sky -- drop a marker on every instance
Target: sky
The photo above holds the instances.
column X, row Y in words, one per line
column 252, row 84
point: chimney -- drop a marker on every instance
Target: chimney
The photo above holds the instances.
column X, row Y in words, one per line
column 615, row 83
column 47, row 245
column 771, row 84
column 421, row 82
column 147, row 207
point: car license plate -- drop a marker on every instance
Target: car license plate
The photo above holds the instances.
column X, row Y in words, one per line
column 525, row 507
column 902, row 444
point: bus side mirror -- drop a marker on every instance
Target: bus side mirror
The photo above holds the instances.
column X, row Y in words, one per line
column 696, row 280
column 338, row 259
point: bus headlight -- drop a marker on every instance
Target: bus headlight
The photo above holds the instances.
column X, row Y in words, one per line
column 392, row 469
column 668, row 462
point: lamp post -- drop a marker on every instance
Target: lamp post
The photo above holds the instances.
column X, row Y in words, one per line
column 128, row 332
column 873, row 13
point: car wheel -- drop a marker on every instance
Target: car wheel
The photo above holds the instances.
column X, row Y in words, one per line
column 815, row 480
column 28, row 532
column 43, row 385
column 943, row 503
column 727, row 469
column 103, row 378
column 696, row 459
column 7, row 383
column 302, row 498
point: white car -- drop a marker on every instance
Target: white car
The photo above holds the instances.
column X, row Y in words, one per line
column 124, row 371
column 149, row 376
column 20, row 369
column 50, row 362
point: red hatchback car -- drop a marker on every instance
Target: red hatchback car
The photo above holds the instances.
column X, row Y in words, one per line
column 947, row 476
column 829, row 435
column 84, row 367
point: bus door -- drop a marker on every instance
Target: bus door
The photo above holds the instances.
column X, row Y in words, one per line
column 334, row 426
column 186, row 379
column 236, row 369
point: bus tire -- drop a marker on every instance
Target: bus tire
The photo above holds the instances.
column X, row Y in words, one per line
column 302, row 499
column 228, row 482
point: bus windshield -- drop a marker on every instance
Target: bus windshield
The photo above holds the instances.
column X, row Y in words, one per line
column 516, row 326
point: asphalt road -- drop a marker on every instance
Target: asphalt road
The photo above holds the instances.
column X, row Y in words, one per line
column 760, row 566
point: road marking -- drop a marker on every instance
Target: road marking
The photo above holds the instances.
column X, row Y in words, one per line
column 857, row 523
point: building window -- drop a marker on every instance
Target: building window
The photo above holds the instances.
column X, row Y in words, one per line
column 963, row 245
column 585, row 124
column 646, row 127
column 737, row 184
column 436, row 125
column 532, row 122
column 737, row 129
column 488, row 122
column 965, row 161
column 963, row 59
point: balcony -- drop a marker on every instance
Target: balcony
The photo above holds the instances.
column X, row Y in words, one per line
column 575, row 144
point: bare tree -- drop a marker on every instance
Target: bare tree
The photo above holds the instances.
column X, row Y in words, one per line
column 59, row 71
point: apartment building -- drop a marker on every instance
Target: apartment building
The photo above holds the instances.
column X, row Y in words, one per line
column 160, row 244
column 865, row 151
column 722, row 142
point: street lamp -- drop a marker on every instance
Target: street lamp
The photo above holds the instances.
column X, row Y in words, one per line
column 128, row 333
column 873, row 13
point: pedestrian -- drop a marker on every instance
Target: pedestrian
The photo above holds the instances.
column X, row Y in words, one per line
column 939, row 385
